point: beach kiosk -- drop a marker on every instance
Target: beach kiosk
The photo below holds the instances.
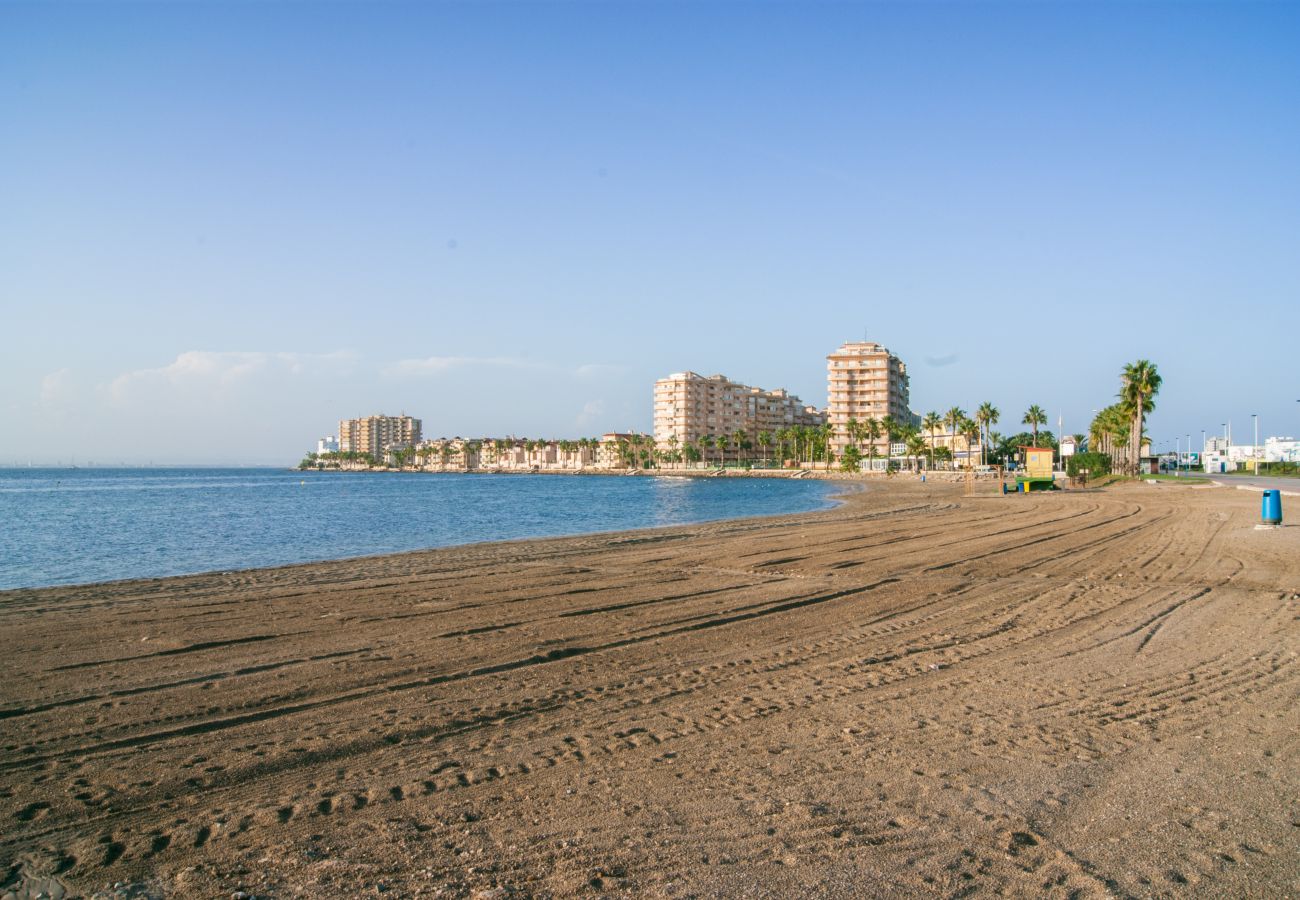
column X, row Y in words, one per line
column 1036, row 471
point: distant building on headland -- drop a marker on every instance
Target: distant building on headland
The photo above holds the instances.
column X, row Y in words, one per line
column 377, row 434
column 864, row 381
column 329, row 444
column 689, row 407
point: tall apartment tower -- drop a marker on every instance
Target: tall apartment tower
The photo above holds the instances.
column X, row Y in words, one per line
column 864, row 381
column 375, row 434
column 689, row 406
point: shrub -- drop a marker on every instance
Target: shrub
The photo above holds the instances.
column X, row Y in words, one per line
column 1094, row 463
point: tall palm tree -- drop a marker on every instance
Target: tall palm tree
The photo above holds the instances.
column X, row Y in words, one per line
column 915, row 447
column 721, row 442
column 987, row 416
column 932, row 423
column 952, row 418
column 1034, row 416
column 1141, row 384
column 889, row 425
column 827, row 433
column 970, row 430
column 740, row 438
column 872, row 429
column 765, row 441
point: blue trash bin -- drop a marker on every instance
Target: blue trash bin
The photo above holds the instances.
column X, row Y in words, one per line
column 1271, row 508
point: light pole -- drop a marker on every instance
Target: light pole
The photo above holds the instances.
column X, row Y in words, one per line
column 1254, row 450
column 1189, row 453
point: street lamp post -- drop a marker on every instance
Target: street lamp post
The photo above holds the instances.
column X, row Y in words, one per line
column 1254, row 450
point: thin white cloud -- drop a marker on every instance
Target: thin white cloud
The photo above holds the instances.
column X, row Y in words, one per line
column 436, row 365
column 56, row 388
column 225, row 368
column 597, row 370
column 591, row 411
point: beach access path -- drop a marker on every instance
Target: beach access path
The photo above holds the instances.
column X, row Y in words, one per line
column 1084, row 693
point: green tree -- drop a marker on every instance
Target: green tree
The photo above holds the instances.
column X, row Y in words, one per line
column 850, row 459
column 915, row 447
column 1109, row 430
column 953, row 419
column 1034, row 416
column 1141, row 383
column 932, row 423
column 872, row 430
column 741, row 440
column 987, row 416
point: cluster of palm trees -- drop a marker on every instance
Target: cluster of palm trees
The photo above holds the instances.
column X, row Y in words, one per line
column 799, row 442
column 1117, row 430
column 334, row 458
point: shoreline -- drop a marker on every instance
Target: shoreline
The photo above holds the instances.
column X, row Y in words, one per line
column 914, row 692
column 833, row 500
column 935, row 475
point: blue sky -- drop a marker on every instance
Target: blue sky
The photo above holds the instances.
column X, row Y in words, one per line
column 225, row 226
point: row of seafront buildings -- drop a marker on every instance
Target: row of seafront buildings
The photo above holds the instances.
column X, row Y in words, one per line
column 396, row 441
column 864, row 381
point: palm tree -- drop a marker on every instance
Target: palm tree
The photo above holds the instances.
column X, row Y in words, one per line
column 915, row 447
column 1141, row 384
column 1034, row 416
column 987, row 416
column 1110, row 431
column 741, row 439
column 952, row 418
column 721, row 442
column 931, row 423
column 872, row 430
column 765, row 441
column 704, row 442
column 827, row 434
column 889, row 426
column 970, row 430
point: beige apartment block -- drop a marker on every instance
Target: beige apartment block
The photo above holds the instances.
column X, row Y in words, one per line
column 375, row 434
column 864, row 381
column 690, row 406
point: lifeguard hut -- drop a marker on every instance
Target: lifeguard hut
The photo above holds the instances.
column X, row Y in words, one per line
column 1036, row 471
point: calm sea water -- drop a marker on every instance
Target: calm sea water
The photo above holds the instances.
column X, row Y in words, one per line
column 72, row 526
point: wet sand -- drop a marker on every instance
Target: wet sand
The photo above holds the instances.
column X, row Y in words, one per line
column 920, row 693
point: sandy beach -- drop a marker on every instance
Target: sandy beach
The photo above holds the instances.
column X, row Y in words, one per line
column 919, row 693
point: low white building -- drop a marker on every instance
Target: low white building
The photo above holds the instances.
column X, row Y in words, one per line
column 1281, row 449
column 328, row 444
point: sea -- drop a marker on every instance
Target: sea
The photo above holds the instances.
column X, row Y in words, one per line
column 85, row 525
